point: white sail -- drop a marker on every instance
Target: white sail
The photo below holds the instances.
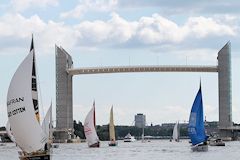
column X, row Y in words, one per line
column 175, row 135
column 46, row 124
column 89, row 128
column 27, row 131
column 111, row 127
column 9, row 132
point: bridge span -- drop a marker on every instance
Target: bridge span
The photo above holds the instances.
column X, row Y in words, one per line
column 150, row 68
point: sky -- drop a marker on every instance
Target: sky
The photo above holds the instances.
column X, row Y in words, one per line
column 122, row 33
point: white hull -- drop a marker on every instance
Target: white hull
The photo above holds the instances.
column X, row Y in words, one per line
column 131, row 139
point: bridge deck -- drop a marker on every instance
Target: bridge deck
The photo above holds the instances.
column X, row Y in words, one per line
column 157, row 68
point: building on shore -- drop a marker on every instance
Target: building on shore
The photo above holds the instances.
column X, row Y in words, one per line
column 140, row 120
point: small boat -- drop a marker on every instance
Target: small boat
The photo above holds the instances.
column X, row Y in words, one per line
column 112, row 130
column 216, row 142
column 90, row 130
column 23, row 111
column 129, row 138
column 196, row 129
column 176, row 132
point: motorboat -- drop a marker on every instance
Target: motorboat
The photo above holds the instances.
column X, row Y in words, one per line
column 216, row 142
column 129, row 138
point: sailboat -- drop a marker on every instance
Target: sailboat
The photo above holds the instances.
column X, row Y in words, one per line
column 143, row 140
column 196, row 129
column 23, row 111
column 47, row 125
column 90, row 130
column 176, row 132
column 9, row 132
column 112, row 130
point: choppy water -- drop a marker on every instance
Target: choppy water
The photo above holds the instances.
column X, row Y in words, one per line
column 154, row 150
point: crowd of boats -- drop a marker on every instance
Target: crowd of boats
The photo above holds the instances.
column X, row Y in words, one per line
column 35, row 139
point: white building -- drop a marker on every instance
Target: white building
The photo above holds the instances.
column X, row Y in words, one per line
column 140, row 120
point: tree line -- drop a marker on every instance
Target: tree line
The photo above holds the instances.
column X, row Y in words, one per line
column 122, row 131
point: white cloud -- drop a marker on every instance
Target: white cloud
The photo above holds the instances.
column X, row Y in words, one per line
column 202, row 27
column 19, row 26
column 25, row 4
column 116, row 30
column 147, row 31
column 90, row 5
column 157, row 29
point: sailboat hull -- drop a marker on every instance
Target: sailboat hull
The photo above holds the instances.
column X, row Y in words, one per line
column 40, row 156
column 200, row 148
column 112, row 144
column 95, row 145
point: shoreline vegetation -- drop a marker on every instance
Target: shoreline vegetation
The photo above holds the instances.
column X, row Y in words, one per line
column 163, row 131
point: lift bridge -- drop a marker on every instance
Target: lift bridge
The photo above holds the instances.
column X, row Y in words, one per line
column 65, row 72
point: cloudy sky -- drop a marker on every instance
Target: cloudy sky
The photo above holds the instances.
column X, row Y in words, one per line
column 119, row 33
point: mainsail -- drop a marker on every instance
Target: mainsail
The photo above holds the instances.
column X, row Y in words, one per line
column 175, row 135
column 89, row 128
column 196, row 130
column 111, row 127
column 47, row 123
column 25, row 127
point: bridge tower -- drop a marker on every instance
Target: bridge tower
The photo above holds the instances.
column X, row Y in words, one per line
column 64, row 105
column 225, row 91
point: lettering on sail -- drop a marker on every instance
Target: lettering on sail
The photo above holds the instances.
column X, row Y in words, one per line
column 15, row 100
column 18, row 110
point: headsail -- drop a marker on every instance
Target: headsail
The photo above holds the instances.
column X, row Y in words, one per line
column 21, row 114
column 196, row 129
column 46, row 124
column 111, row 127
column 89, row 128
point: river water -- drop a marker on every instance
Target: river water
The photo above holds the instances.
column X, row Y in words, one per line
column 154, row 150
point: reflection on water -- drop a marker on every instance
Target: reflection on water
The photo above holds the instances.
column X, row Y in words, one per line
column 154, row 150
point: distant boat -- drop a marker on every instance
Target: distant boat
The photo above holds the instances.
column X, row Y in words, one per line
column 143, row 140
column 23, row 111
column 89, row 128
column 216, row 142
column 129, row 138
column 196, row 130
column 112, row 130
column 176, row 132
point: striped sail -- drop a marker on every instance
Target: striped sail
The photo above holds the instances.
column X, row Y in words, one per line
column 34, row 84
column 89, row 128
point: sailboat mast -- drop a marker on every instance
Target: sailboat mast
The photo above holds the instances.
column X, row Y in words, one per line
column 51, row 126
column 94, row 115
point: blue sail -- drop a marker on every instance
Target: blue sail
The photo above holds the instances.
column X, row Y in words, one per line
column 196, row 130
